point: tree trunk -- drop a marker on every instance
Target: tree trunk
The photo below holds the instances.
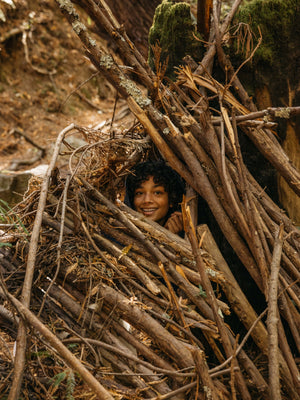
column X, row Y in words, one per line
column 289, row 200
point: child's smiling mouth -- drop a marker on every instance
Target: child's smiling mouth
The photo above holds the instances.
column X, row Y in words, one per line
column 147, row 211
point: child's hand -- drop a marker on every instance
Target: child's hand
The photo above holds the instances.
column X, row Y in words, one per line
column 175, row 222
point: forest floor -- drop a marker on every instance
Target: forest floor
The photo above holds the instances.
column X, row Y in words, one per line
column 42, row 64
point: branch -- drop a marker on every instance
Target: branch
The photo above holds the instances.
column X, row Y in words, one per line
column 19, row 364
column 272, row 320
column 211, row 299
column 212, row 49
column 271, row 112
column 64, row 353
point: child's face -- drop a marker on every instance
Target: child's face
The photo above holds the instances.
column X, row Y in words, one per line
column 151, row 200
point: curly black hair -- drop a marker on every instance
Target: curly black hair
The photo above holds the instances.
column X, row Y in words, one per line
column 163, row 175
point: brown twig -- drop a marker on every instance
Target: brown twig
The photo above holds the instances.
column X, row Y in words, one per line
column 78, row 87
column 207, row 59
column 28, row 139
column 202, row 372
column 272, row 321
column 60, row 241
column 129, row 356
column 269, row 113
column 211, row 298
column 66, row 355
column 19, row 363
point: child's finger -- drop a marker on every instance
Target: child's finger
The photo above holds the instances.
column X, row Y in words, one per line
column 176, row 213
column 175, row 223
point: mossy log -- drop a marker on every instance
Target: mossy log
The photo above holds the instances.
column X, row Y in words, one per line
column 272, row 77
column 174, row 31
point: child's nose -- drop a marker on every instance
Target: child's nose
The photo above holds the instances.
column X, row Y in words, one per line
column 148, row 197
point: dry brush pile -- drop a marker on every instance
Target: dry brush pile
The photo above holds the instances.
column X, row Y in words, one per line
column 111, row 305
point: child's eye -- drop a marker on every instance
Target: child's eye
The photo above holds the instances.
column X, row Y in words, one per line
column 139, row 193
column 158, row 192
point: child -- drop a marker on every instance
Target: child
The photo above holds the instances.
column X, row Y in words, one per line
column 155, row 190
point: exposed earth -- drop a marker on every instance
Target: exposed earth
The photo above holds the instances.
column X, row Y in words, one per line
column 42, row 90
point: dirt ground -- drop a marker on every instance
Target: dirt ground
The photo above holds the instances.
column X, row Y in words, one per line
column 42, row 63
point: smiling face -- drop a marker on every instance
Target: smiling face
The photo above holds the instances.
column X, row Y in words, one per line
column 151, row 200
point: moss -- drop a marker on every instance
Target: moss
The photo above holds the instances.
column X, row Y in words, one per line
column 275, row 62
column 276, row 19
column 174, row 31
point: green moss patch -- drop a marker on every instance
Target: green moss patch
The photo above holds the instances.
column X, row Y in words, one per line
column 276, row 62
column 175, row 33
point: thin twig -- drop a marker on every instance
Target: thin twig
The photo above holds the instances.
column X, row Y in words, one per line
column 64, row 353
column 59, row 245
column 28, row 139
column 271, row 112
column 77, row 88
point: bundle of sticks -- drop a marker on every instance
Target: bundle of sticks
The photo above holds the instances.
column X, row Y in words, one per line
column 145, row 307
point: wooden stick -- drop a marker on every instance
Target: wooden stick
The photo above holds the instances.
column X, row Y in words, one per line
column 212, row 300
column 103, row 17
column 133, row 267
column 202, row 371
column 271, row 112
column 272, row 320
column 64, row 353
column 139, row 318
column 207, row 59
column 129, row 356
column 19, row 363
